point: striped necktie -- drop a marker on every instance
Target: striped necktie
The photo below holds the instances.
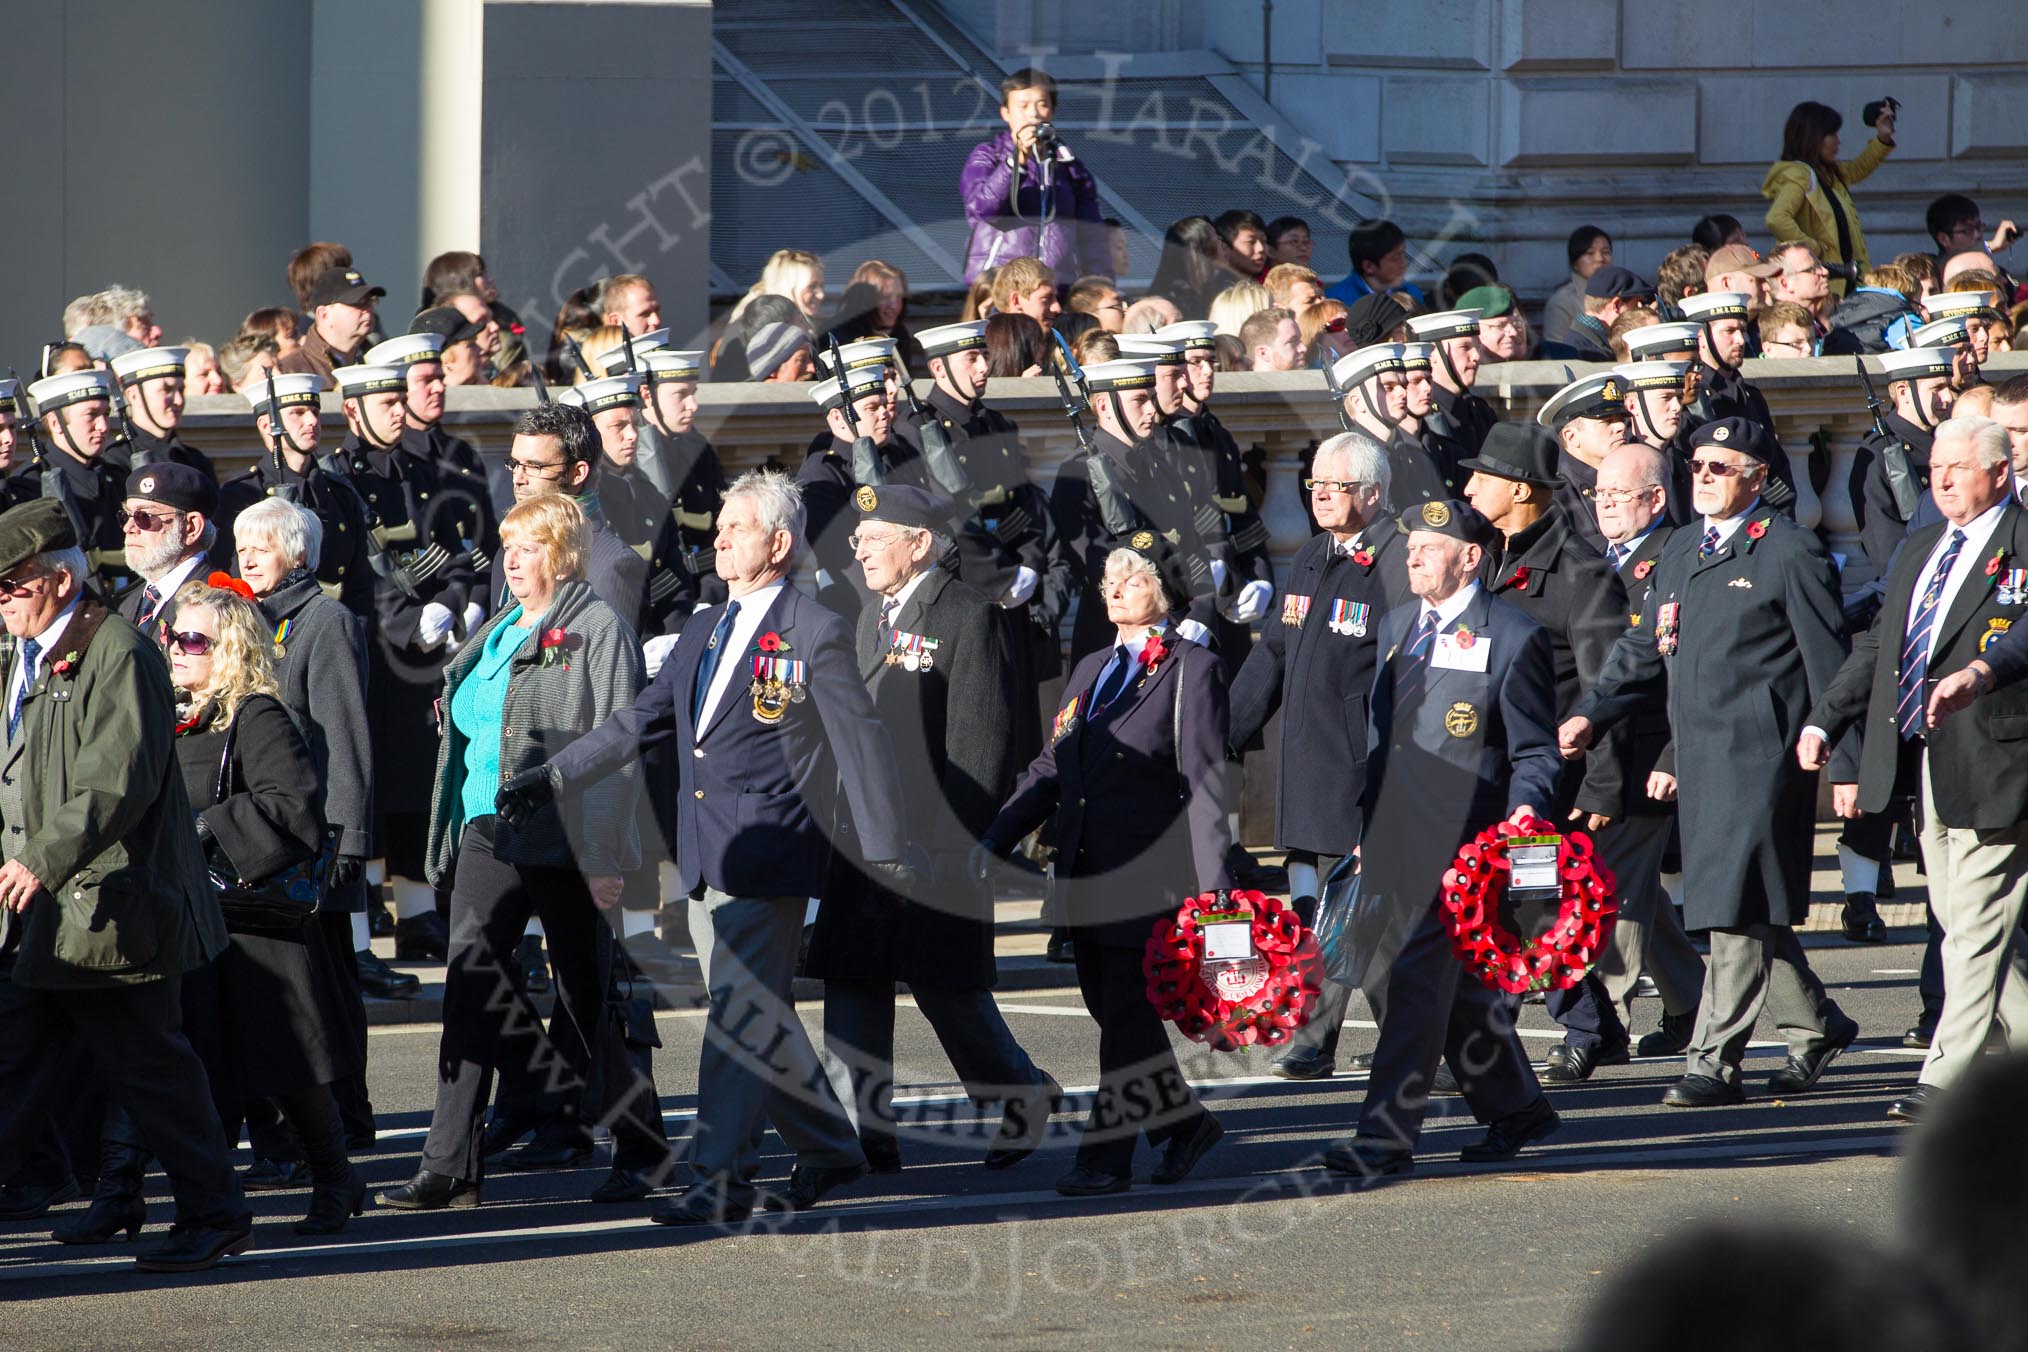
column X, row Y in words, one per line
column 30, row 651
column 1415, row 659
column 1709, row 545
column 1909, row 704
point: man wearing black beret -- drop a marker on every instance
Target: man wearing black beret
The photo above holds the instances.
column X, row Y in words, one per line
column 167, row 518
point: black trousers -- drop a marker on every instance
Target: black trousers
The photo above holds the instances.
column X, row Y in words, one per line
column 1141, row 1088
column 135, row 1036
column 1325, row 1018
column 355, row 1109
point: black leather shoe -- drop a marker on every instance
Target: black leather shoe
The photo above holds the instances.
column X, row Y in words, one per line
column 1913, row 1106
column 541, row 1154
column 883, row 1154
column 1023, row 1123
column 1672, row 1038
column 380, row 921
column 1083, row 1182
column 1058, row 949
column 1921, row 1035
column 534, row 965
column 26, row 1201
column 331, row 1207
column 809, row 1186
column 623, row 1185
column 1805, row 1069
column 1369, row 1159
column 701, row 1204
column 1181, row 1154
column 1572, row 1063
column 382, row 982
column 1862, row 923
column 275, row 1176
column 501, row 1133
column 103, row 1222
column 431, row 1192
column 1507, row 1135
column 422, row 938
column 1701, row 1091
column 196, row 1248
column 1308, row 1064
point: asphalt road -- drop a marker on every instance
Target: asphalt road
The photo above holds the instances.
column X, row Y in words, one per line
column 1261, row 1247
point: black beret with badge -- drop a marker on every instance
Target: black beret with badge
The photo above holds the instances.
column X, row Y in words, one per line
column 1459, row 520
column 904, row 505
column 1744, row 435
column 183, row 487
column 1170, row 565
column 35, row 527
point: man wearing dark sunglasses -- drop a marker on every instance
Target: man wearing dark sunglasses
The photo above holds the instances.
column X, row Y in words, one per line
column 167, row 521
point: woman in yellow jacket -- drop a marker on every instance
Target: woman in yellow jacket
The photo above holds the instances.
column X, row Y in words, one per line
column 1807, row 188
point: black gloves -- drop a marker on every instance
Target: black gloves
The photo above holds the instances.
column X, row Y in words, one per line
column 345, row 870
column 527, row 792
column 896, row 875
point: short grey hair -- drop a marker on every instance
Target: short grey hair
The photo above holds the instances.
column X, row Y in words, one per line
column 1123, row 562
column 123, row 303
column 84, row 312
column 295, row 530
column 71, row 561
column 1368, row 462
column 1988, row 438
column 777, row 498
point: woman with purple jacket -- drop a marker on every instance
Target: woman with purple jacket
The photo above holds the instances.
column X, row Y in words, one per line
column 1053, row 214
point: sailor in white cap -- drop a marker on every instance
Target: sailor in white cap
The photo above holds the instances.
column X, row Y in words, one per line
column 82, row 468
column 1722, row 392
column 1372, row 382
column 859, row 448
column 1589, row 418
column 1462, row 416
column 286, row 415
column 151, row 381
column 1890, row 474
column 682, row 465
column 1654, row 393
column 633, row 507
column 1953, row 333
column 1979, row 310
column 15, row 486
column 1422, row 422
column 421, row 359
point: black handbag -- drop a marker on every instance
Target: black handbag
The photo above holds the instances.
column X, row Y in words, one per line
column 283, row 900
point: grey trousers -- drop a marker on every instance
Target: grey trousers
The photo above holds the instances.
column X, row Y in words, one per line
column 1978, row 885
column 1759, row 965
column 757, row 1065
column 1648, row 933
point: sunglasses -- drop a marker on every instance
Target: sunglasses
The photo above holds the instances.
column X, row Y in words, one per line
column 145, row 522
column 1717, row 469
column 190, row 645
column 1335, row 325
column 20, row 586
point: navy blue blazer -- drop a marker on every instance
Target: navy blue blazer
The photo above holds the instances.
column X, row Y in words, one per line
column 757, row 805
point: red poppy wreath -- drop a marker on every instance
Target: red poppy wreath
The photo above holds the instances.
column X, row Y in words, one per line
column 1229, row 988
column 1496, row 955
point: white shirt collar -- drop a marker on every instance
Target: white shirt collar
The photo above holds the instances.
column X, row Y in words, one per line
column 900, row 598
column 1977, row 531
column 1727, row 527
column 46, row 641
column 1632, row 547
column 168, row 584
column 753, row 611
column 1448, row 610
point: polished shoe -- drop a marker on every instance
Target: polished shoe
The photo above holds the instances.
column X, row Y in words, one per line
column 1364, row 1158
column 883, row 1154
column 1505, row 1138
column 1303, row 1065
column 422, row 938
column 1921, row 1035
column 1862, row 923
column 1915, row 1105
column 382, row 982
column 1672, row 1038
column 196, row 1248
column 540, row 1154
column 430, row 1192
column 701, row 1204
column 624, row 1185
column 1702, row 1091
column 1058, row 948
column 380, row 921
column 1083, row 1182
column 1443, row 1082
column 332, row 1206
column 1573, row 1062
column 103, row 1221
column 1805, row 1068
column 533, row 964
column 1363, row 1061
column 808, row 1185
column 26, row 1201
column 1181, row 1154
column 1885, row 888
column 501, row 1133
column 275, row 1176
column 1023, row 1123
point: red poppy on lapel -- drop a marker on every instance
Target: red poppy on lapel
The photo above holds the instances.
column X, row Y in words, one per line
column 1642, row 569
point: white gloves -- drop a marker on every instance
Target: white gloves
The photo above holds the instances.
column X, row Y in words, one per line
column 1022, row 587
column 1193, row 631
column 434, row 626
column 1250, row 604
column 1218, row 574
column 656, row 651
column 475, row 615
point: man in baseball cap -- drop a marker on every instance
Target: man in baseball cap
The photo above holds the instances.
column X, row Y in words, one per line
column 341, row 321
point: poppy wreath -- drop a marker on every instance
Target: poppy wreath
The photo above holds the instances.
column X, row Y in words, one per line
column 1496, row 955
column 1232, row 1004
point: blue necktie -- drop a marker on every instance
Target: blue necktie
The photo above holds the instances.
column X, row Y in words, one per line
column 709, row 666
column 1709, row 546
column 1617, row 555
column 1908, row 708
column 1415, row 659
column 1115, row 679
column 30, row 651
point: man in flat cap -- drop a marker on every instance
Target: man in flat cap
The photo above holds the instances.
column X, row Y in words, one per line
column 1743, row 618
column 168, row 518
column 341, row 320
column 1608, row 293
column 104, row 900
column 1462, row 735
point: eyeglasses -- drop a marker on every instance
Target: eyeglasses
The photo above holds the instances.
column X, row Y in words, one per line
column 145, row 522
column 536, row 470
column 20, row 586
column 1717, row 469
column 855, row 541
column 1620, row 497
column 190, row 644
column 1329, row 485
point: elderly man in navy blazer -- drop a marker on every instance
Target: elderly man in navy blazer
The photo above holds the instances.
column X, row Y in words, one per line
column 764, row 693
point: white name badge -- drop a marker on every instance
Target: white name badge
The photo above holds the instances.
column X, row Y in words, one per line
column 1228, row 941
column 1451, row 655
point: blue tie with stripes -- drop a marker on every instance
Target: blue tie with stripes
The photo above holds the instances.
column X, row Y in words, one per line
column 1909, row 704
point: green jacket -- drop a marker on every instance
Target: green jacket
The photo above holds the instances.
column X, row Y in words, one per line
column 108, row 826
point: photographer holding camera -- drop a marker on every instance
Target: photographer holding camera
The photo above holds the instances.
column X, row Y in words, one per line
column 1808, row 190
column 1026, row 195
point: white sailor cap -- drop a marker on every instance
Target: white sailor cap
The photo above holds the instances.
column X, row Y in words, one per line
column 1653, row 375
column 298, row 388
column 1190, row 333
column 1444, row 324
column 864, row 352
column 1416, row 356
column 860, row 381
column 1127, row 373
column 149, row 363
column 596, row 396
column 614, row 359
column 72, row 387
column 1652, row 340
column 407, row 350
column 1149, row 347
column 1944, row 304
column 1354, row 367
column 1716, row 305
column 945, row 339
column 10, row 397
column 1600, row 395
column 669, row 363
column 370, row 378
column 1946, row 332
column 1916, row 363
